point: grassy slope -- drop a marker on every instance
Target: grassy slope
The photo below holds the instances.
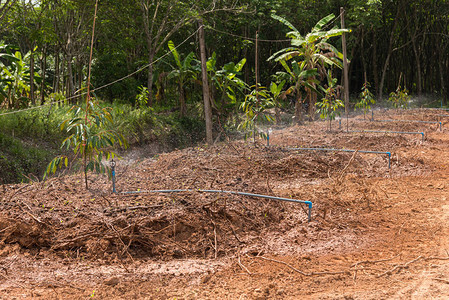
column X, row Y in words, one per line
column 29, row 140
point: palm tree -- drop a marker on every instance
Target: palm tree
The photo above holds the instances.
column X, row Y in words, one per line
column 311, row 52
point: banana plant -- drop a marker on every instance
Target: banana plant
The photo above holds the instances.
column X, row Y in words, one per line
column 15, row 77
column 184, row 71
column 226, row 81
column 311, row 52
column 301, row 81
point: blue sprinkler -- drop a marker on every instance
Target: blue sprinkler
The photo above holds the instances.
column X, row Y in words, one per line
column 113, row 175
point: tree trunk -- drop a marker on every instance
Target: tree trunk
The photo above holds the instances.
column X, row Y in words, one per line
column 441, row 71
column 70, row 78
column 298, row 109
column 150, row 79
column 206, row 95
column 345, row 64
column 57, row 74
column 374, row 60
column 182, row 100
column 312, row 104
column 33, row 102
column 44, row 73
column 416, row 52
column 390, row 50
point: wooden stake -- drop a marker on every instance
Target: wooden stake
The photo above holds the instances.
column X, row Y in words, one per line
column 88, row 97
column 257, row 81
column 345, row 68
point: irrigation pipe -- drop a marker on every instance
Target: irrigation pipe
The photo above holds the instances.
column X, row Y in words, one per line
column 386, row 131
column 411, row 121
column 309, row 203
column 344, row 150
column 433, row 108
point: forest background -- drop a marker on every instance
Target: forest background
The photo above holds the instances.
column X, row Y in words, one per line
column 146, row 64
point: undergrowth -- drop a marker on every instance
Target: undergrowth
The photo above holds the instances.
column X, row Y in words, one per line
column 30, row 139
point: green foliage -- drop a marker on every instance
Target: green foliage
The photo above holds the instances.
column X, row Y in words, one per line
column 184, row 71
column 91, row 138
column 254, row 107
column 276, row 90
column 399, row 98
column 20, row 160
column 309, row 53
column 227, row 82
column 142, row 97
column 366, row 99
column 15, row 77
column 330, row 104
column 37, row 125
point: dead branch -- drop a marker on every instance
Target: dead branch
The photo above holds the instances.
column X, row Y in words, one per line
column 404, row 266
column 342, row 172
column 442, row 280
column 18, row 191
column 243, row 266
column 372, row 261
column 215, row 239
column 118, row 235
column 399, row 266
column 301, row 272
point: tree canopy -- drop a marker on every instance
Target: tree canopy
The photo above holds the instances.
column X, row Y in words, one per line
column 153, row 44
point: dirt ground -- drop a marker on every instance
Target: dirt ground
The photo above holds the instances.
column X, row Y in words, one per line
column 376, row 232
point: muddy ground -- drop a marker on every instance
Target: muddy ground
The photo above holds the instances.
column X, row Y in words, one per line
column 376, row 232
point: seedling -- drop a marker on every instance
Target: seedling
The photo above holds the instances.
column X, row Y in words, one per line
column 254, row 108
column 90, row 141
column 400, row 97
column 328, row 107
column 366, row 99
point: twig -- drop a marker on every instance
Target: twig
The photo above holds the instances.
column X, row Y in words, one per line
column 398, row 267
column 301, row 272
column 215, row 239
column 347, row 165
column 20, row 189
column 242, row 266
column 6, row 228
column 233, row 231
column 269, row 189
column 126, row 208
column 372, row 261
column 442, row 280
column 120, row 239
column 34, row 217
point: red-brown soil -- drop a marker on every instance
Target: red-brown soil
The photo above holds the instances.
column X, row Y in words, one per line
column 376, row 233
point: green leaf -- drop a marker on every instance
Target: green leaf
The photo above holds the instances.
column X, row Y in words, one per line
column 175, row 53
column 285, row 22
column 323, row 22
